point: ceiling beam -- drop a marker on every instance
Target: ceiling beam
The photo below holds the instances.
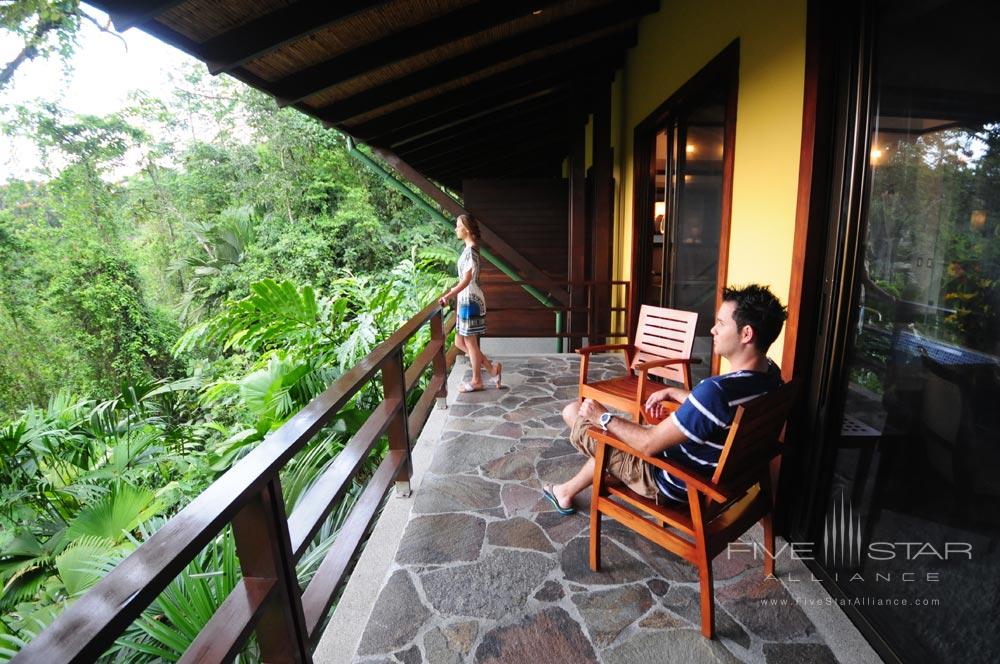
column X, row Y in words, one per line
column 546, row 124
column 451, row 107
column 533, row 160
column 505, row 164
column 497, row 147
column 494, row 90
column 269, row 32
column 446, row 125
column 125, row 15
column 393, row 48
column 500, row 119
column 601, row 19
column 194, row 49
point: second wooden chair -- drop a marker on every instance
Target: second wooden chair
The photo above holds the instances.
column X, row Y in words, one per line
column 664, row 339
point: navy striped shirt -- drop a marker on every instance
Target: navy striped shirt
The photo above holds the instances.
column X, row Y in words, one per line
column 705, row 417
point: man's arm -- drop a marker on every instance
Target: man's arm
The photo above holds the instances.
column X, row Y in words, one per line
column 648, row 440
column 654, row 404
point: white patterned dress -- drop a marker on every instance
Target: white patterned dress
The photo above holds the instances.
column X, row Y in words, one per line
column 471, row 302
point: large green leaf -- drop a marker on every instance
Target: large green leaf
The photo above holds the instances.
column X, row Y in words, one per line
column 86, row 561
column 116, row 514
column 267, row 392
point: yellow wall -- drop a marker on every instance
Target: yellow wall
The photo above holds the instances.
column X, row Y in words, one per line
column 674, row 44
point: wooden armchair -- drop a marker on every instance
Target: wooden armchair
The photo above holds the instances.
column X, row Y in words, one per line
column 719, row 509
column 663, row 342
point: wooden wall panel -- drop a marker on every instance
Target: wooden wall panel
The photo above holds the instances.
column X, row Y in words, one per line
column 530, row 215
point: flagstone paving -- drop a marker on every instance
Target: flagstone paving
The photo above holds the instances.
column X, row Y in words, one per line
column 487, row 571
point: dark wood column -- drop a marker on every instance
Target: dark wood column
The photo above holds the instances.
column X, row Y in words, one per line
column 577, row 245
column 601, row 240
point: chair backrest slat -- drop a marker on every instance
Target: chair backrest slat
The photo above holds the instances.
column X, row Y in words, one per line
column 664, row 333
column 757, row 428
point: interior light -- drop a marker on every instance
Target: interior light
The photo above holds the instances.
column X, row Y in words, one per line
column 689, row 148
column 876, row 154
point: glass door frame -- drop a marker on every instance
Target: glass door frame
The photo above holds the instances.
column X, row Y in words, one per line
column 722, row 68
column 842, row 41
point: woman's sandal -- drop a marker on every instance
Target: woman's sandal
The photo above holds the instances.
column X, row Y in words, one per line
column 498, row 376
column 551, row 496
column 469, row 387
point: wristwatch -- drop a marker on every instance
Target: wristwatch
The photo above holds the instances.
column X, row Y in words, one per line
column 604, row 420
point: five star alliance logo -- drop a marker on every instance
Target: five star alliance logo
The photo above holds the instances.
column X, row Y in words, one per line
column 842, row 535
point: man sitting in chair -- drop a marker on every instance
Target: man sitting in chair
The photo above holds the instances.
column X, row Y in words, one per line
column 747, row 323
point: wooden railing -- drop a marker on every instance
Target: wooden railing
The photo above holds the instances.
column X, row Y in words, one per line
column 598, row 296
column 268, row 599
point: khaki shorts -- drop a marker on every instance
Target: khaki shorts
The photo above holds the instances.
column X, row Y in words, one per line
column 631, row 470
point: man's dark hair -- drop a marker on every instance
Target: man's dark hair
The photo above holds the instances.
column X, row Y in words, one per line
column 757, row 307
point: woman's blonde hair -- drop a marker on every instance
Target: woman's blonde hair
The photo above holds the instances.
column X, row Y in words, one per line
column 471, row 225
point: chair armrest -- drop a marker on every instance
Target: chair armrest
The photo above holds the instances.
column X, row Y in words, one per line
column 702, row 484
column 587, row 350
column 646, row 366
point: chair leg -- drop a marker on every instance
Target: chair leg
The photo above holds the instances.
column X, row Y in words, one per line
column 596, row 492
column 595, row 539
column 707, row 598
column 768, row 524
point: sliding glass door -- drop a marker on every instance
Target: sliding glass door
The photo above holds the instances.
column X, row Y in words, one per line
column 684, row 209
column 910, row 527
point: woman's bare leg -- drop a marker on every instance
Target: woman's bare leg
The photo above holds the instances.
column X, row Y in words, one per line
column 475, row 359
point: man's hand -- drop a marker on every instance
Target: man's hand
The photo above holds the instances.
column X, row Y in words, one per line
column 654, row 404
column 592, row 411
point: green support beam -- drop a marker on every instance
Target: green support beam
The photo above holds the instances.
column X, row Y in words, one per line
column 436, row 214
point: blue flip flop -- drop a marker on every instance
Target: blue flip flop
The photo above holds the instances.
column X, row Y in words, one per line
column 565, row 511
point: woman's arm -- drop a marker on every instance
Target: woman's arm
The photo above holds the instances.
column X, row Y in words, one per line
column 458, row 288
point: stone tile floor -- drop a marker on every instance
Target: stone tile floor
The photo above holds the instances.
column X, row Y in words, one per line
column 487, row 571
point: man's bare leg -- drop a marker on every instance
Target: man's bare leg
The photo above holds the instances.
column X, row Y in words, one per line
column 565, row 492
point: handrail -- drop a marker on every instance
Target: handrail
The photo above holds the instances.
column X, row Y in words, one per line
column 268, row 600
column 617, row 326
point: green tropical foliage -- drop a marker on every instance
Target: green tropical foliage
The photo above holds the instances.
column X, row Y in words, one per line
column 165, row 305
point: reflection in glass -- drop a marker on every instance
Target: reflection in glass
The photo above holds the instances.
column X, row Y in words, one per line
column 687, row 217
column 654, row 289
column 919, row 454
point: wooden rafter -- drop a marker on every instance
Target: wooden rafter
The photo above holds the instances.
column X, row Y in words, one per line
column 443, row 129
column 125, row 15
column 596, row 21
column 399, row 46
column 272, row 31
column 513, row 132
column 550, row 133
column 497, row 119
column 539, row 160
column 504, row 152
column 492, row 91
column 448, row 108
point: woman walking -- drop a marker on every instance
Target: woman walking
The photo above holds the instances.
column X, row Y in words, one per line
column 471, row 309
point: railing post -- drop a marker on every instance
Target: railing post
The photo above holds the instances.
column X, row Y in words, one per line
column 265, row 551
column 440, row 357
column 394, row 386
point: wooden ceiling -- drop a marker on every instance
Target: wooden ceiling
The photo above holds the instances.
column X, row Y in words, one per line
column 457, row 88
